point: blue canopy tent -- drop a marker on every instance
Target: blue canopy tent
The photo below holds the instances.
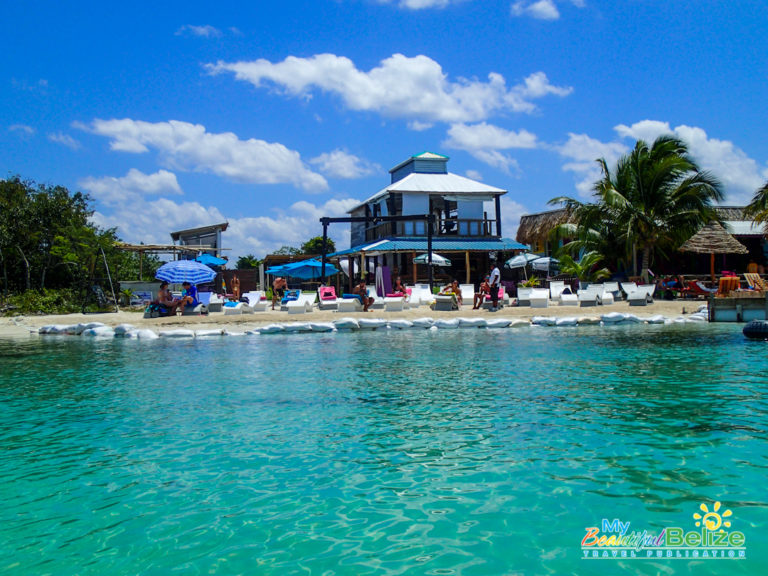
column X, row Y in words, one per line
column 209, row 260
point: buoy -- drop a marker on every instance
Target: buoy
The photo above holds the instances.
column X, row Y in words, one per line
column 756, row 329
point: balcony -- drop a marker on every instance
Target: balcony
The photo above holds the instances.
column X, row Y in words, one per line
column 465, row 228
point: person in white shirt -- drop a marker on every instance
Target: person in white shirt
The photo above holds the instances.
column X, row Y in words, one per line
column 495, row 283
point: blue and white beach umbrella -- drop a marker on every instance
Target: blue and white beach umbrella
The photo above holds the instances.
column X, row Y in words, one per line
column 179, row 271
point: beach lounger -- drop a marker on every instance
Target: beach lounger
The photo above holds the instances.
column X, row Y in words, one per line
column 235, row 308
column 556, row 287
column 539, row 297
column 420, row 294
column 590, row 296
column 613, row 289
column 302, row 304
column 567, row 298
column 642, row 296
column 628, row 287
column 394, row 303
column 606, row 296
column 327, row 299
column 755, row 282
column 467, row 293
column 446, row 302
column 503, row 299
column 349, row 303
column 524, row 296
column 215, row 302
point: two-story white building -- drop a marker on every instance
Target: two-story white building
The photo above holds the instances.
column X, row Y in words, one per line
column 467, row 217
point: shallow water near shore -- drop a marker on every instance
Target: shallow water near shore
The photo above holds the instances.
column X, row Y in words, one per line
column 449, row 452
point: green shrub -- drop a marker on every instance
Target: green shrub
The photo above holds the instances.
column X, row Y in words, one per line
column 61, row 301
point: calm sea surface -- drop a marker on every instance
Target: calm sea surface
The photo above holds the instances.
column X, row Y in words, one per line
column 413, row 452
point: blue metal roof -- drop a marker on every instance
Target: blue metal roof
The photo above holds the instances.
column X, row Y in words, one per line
column 419, row 244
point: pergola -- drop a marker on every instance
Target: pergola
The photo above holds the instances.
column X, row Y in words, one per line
column 159, row 249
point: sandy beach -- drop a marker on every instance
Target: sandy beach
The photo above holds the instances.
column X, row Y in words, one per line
column 24, row 326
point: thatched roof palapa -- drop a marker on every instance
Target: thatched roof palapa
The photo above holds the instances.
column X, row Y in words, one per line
column 713, row 239
column 536, row 227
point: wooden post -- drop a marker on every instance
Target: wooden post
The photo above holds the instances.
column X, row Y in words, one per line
column 466, row 261
column 413, row 267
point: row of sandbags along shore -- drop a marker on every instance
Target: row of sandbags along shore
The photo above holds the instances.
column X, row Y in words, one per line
column 99, row 330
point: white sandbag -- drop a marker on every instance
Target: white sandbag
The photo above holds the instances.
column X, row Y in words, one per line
column 446, row 323
column 543, row 321
column 423, row 323
column 567, row 321
column 100, row 332
column 208, row 333
column 346, row 324
column 123, row 329
column 297, row 327
column 371, row 323
column 322, row 326
column 272, row 329
column 472, row 323
column 146, row 334
column 589, row 320
column 400, row 324
column 613, row 317
column 497, row 323
column 178, row 333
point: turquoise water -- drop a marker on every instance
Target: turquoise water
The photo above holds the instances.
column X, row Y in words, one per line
column 414, row 452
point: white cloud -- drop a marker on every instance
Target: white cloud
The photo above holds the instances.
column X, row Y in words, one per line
column 131, row 188
column 258, row 235
column 474, row 175
column 541, row 9
column 185, row 146
column 583, row 152
column 485, row 141
column 421, row 4
column 201, row 31
column 510, row 215
column 342, row 164
column 64, row 140
column 400, row 87
column 25, row 132
column 740, row 174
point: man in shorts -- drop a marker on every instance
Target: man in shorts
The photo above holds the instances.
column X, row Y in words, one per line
column 278, row 290
column 494, row 282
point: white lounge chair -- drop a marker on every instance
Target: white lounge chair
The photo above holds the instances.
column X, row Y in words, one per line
column 628, row 287
column 613, row 288
column 234, row 308
column 378, row 301
column 215, row 302
column 446, row 302
column 349, row 305
column 467, row 293
column 539, row 297
column 556, row 287
column 326, row 298
column 567, row 298
column 590, row 296
column 302, row 304
column 524, row 296
column 257, row 300
column 420, row 294
column 642, row 296
column 394, row 303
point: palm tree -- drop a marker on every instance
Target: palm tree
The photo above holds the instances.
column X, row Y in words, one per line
column 657, row 198
column 586, row 269
column 757, row 209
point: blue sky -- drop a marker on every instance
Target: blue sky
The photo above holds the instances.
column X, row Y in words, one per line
column 270, row 115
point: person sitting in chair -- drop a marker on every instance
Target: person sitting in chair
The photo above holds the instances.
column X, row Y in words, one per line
column 165, row 298
column 361, row 291
column 485, row 289
column 188, row 296
column 398, row 287
column 453, row 288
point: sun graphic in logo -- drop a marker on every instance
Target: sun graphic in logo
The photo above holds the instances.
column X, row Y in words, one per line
column 712, row 520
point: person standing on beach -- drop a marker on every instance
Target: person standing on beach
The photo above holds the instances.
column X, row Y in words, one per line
column 494, row 283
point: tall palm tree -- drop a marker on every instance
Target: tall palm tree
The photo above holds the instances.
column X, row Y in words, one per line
column 757, row 209
column 657, row 198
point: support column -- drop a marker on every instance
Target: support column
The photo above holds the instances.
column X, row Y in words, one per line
column 466, row 263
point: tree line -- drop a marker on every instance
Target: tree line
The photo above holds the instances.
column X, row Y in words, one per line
column 48, row 242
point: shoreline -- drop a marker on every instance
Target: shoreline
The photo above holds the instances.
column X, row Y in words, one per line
column 25, row 326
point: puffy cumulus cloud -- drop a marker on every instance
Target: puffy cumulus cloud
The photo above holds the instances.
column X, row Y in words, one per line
column 582, row 153
column 250, row 235
column 131, row 188
column 185, row 146
column 201, row 31
column 740, row 174
column 342, row 164
column 142, row 225
column 485, row 142
column 414, row 88
column 65, row 140
column 541, row 10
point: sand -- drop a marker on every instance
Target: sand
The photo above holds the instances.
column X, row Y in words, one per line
column 24, row 326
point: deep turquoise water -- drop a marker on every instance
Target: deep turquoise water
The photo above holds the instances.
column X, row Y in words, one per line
column 456, row 452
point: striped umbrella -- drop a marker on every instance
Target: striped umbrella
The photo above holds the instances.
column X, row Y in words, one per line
column 179, row 271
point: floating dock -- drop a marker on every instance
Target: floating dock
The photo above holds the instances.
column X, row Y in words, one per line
column 739, row 307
